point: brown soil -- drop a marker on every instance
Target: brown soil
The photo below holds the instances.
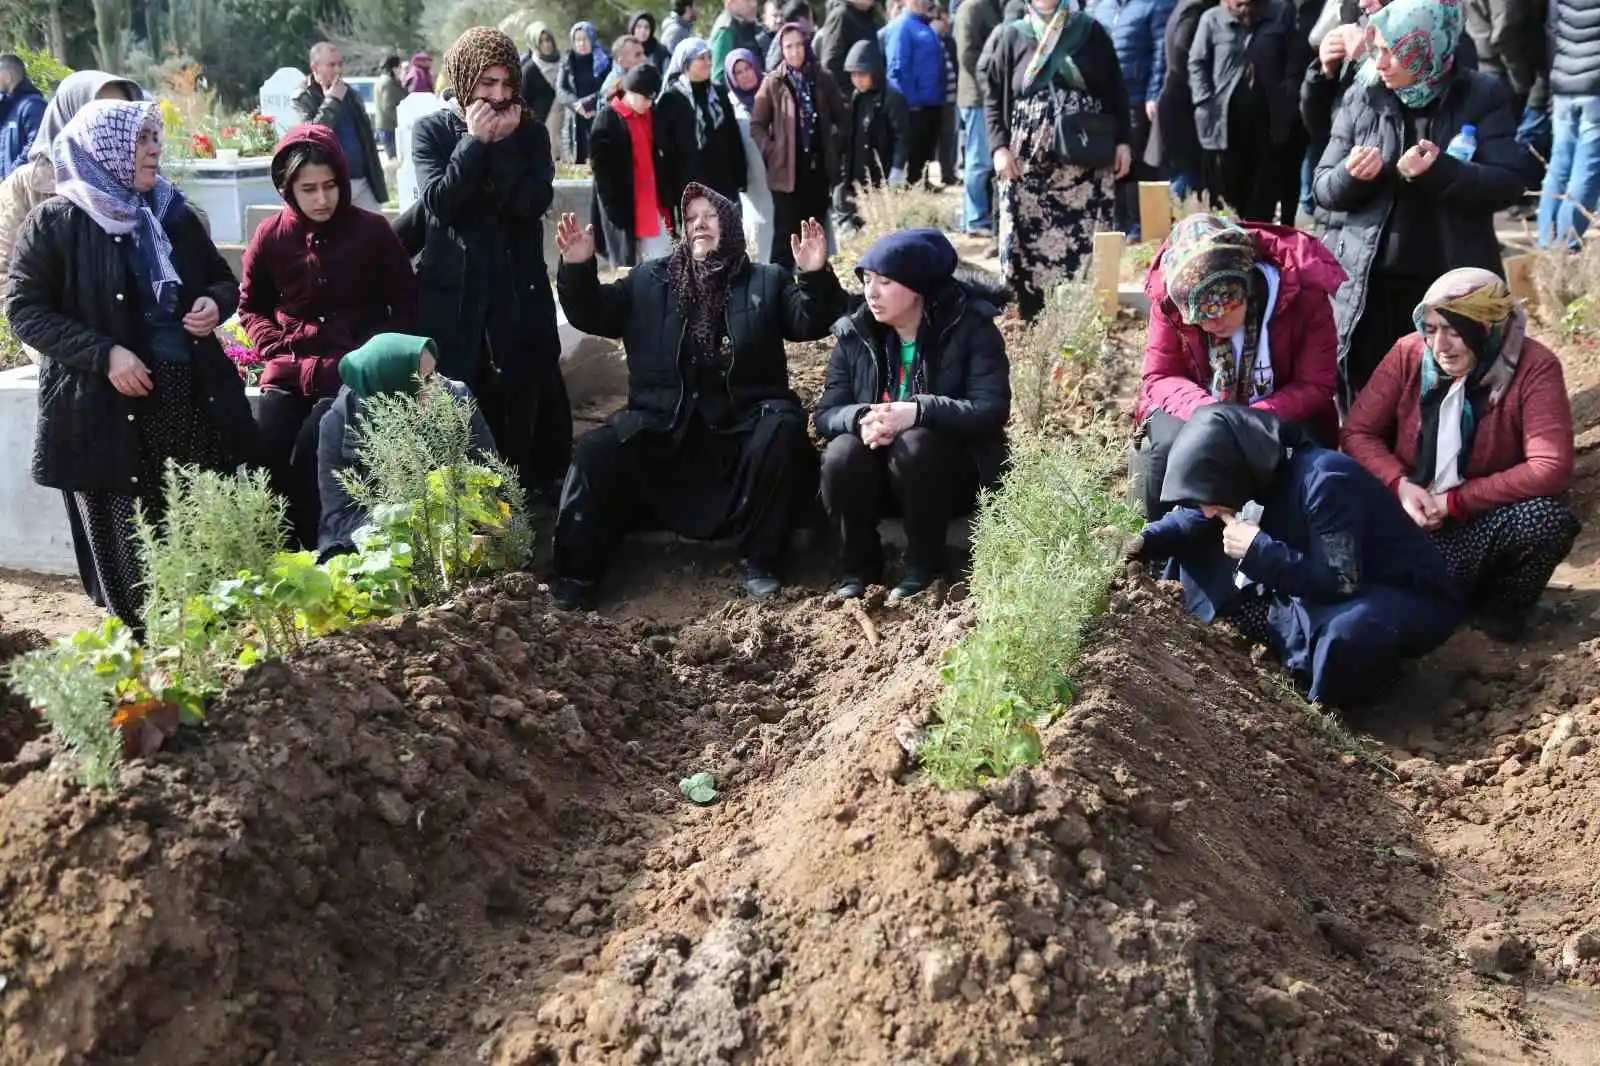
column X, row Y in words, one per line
column 19, row 723
column 458, row 837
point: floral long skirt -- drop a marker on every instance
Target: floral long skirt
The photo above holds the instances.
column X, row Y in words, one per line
column 1050, row 214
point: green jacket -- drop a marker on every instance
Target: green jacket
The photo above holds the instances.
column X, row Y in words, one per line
column 390, row 93
column 728, row 34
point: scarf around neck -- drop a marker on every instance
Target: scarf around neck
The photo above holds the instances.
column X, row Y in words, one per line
column 707, row 107
column 1060, row 39
column 602, row 61
column 1422, row 36
column 94, row 165
column 701, row 285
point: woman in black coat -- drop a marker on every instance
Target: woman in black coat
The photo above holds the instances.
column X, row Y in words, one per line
column 485, row 293
column 1402, row 211
column 117, row 286
column 583, row 72
column 914, row 408
column 628, row 123
column 1174, row 144
column 698, row 116
column 713, row 440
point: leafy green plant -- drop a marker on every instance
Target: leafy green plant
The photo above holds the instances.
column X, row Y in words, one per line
column 1050, row 361
column 44, row 69
column 463, row 514
column 11, row 351
column 1040, row 576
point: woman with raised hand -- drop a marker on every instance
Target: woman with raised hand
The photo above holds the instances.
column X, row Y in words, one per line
column 1405, row 207
column 1060, row 128
column 1468, row 423
column 914, row 408
column 118, row 287
column 798, row 119
column 713, row 440
column 1301, row 550
column 583, row 72
column 699, row 119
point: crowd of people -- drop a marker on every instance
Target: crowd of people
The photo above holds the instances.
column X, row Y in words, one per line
column 1346, row 445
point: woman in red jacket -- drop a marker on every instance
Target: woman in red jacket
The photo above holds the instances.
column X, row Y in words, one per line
column 321, row 278
column 1468, row 422
column 1238, row 314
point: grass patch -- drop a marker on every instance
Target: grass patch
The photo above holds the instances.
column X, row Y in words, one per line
column 1568, row 287
column 884, row 211
column 1328, row 725
column 1055, row 352
column 1040, row 576
column 11, row 353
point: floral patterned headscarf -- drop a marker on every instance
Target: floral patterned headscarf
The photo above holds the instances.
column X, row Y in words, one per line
column 1422, row 36
column 1207, row 267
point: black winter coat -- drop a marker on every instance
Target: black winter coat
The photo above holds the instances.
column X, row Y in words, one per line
column 1509, row 35
column 1466, row 195
column 72, row 297
column 968, row 375
column 1005, row 62
column 1321, row 95
column 719, row 164
column 1174, row 143
column 611, row 159
column 484, row 246
column 537, row 92
column 767, row 305
column 1574, row 36
column 1224, row 49
column 879, row 137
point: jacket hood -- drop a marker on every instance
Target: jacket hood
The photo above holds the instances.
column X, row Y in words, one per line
column 633, row 20
column 328, row 141
column 1303, row 262
column 1228, row 455
column 865, row 58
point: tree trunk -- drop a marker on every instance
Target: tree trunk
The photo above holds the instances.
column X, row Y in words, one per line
column 58, row 32
column 109, row 16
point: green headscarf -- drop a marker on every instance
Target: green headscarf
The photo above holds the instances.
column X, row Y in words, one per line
column 387, row 363
column 1060, row 39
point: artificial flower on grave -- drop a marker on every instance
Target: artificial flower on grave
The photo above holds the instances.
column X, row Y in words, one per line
column 236, row 345
column 202, row 147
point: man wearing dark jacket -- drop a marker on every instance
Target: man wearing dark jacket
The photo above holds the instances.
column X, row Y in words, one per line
column 1509, row 35
column 975, row 21
column 878, row 144
column 328, row 101
column 1243, row 101
column 1138, row 29
column 913, row 61
column 847, row 22
column 1173, row 143
column 21, row 108
column 1574, row 172
column 484, row 177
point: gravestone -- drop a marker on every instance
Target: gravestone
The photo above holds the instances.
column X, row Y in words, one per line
column 411, row 109
column 277, row 97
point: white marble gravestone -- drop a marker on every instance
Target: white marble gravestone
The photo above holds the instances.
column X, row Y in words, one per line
column 277, row 97
column 411, row 109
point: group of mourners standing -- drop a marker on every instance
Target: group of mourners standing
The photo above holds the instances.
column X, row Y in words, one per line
column 1268, row 350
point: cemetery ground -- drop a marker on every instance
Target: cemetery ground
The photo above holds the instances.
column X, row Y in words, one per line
column 458, row 837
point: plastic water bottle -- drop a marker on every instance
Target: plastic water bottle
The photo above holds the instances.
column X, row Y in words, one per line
column 1464, row 145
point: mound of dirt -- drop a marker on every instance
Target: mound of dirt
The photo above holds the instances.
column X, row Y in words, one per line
column 19, row 723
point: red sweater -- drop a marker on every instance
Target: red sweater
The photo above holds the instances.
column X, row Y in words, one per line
column 1522, row 447
column 1305, row 344
column 642, row 137
column 312, row 293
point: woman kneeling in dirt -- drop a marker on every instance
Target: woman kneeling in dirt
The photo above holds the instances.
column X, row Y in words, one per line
column 914, row 408
column 713, row 440
column 1242, row 315
column 1468, row 422
column 389, row 364
column 1302, row 550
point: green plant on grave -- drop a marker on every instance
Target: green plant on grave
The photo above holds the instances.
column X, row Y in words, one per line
column 462, row 513
column 1054, row 354
column 1040, row 576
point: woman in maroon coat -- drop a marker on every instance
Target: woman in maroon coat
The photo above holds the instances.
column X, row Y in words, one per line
column 1238, row 314
column 321, row 278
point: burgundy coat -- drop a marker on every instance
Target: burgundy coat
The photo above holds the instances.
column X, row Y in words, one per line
column 313, row 293
column 1305, row 367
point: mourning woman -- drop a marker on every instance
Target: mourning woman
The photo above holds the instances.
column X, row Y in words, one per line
column 118, row 287
column 712, row 442
column 698, row 117
column 1302, row 551
column 321, row 278
column 390, row 364
column 1467, row 422
column 914, row 408
column 583, row 72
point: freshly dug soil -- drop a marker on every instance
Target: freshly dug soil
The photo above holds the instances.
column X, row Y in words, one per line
column 19, row 723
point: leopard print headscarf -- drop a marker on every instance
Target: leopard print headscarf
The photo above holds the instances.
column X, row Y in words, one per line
column 473, row 53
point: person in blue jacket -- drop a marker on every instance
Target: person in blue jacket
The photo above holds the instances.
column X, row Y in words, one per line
column 1301, row 550
column 1138, row 30
column 913, row 59
column 21, row 110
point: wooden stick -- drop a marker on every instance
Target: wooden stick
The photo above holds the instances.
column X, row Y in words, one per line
column 853, row 608
column 1155, row 211
column 1519, row 278
column 1108, row 269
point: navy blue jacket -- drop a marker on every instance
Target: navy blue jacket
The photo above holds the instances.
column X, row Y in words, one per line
column 1138, row 30
column 21, row 110
column 913, row 57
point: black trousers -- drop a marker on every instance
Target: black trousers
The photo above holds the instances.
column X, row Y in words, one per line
column 949, row 143
column 811, row 198
column 924, row 142
column 286, row 425
column 1147, row 465
column 1127, row 209
column 1392, row 299
column 703, row 484
column 925, row 476
column 530, row 417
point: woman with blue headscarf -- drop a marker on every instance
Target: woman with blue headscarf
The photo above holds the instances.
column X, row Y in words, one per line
column 699, row 117
column 116, row 284
column 583, row 72
column 1405, row 207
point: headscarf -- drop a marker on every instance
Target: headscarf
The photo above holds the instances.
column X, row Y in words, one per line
column 735, row 57
column 803, row 83
column 474, row 52
column 701, row 285
column 536, row 35
column 1478, row 305
column 74, row 91
column 1228, row 455
column 1422, row 36
column 1207, row 267
column 94, row 164
column 1059, row 40
column 709, row 117
column 420, row 78
column 602, row 62
column 387, row 364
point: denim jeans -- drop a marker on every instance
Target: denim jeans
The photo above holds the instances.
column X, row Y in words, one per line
column 1574, row 169
column 977, row 212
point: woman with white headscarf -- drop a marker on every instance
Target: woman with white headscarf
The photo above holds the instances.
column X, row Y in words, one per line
column 698, row 115
column 118, row 287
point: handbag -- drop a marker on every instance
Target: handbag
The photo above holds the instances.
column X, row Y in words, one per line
column 1083, row 138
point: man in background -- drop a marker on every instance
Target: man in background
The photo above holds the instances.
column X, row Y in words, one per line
column 21, row 109
column 327, row 100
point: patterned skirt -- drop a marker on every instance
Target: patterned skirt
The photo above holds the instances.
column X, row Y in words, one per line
column 173, row 428
column 1050, row 214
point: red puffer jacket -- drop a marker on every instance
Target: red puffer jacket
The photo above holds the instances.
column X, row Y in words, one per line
column 313, row 292
column 1305, row 369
